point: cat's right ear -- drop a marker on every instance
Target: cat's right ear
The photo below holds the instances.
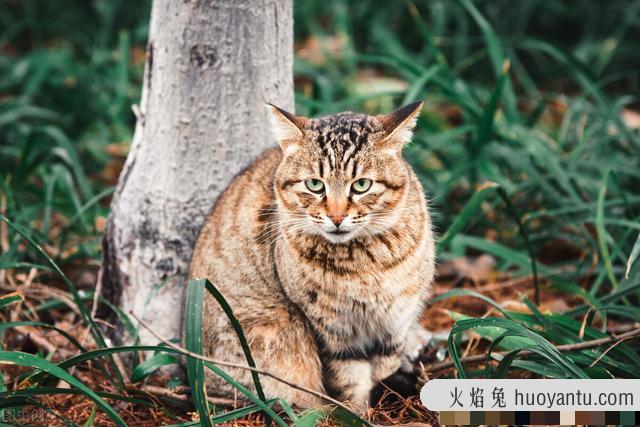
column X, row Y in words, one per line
column 287, row 127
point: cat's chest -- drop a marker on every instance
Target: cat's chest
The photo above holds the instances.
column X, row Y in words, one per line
column 358, row 322
column 357, row 312
column 354, row 303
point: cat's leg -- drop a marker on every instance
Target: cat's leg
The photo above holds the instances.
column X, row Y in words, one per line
column 288, row 350
column 396, row 371
column 392, row 373
column 417, row 339
column 384, row 366
column 408, row 349
column 284, row 348
column 349, row 380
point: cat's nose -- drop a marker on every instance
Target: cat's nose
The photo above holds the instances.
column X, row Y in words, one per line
column 337, row 219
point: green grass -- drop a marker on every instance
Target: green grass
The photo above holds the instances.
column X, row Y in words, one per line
column 521, row 148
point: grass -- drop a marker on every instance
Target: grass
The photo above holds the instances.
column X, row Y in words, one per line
column 526, row 148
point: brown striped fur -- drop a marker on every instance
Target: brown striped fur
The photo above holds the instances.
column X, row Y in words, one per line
column 332, row 312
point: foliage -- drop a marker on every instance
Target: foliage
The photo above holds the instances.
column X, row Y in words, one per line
column 66, row 89
column 525, row 148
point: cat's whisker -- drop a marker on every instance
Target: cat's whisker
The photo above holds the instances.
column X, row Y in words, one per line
column 280, row 211
column 289, row 231
column 274, row 225
column 392, row 211
column 279, row 229
column 287, row 222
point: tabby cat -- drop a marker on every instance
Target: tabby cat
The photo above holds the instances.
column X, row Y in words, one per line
column 323, row 248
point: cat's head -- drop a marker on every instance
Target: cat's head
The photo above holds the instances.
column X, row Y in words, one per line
column 342, row 176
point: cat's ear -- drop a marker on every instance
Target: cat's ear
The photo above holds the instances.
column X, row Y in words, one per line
column 287, row 127
column 398, row 125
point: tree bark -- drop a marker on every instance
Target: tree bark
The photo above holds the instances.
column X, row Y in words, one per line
column 211, row 66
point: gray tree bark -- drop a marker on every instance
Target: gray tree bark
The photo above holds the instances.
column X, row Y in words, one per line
column 211, row 66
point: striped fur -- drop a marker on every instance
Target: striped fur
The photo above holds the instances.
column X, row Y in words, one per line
column 328, row 307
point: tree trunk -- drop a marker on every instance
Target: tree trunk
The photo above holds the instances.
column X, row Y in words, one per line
column 211, row 66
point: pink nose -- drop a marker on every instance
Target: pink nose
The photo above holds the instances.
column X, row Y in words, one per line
column 337, row 219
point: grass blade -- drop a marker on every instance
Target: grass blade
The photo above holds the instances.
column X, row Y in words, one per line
column 614, row 296
column 150, row 365
column 92, row 418
column 31, row 361
column 238, row 330
column 633, row 257
column 102, row 352
column 500, row 251
column 541, row 345
column 505, row 364
column 511, row 209
column 310, row 418
column 485, row 125
column 496, row 55
column 194, row 302
column 11, row 298
column 227, row 416
column 467, row 214
column 602, row 233
column 469, row 293
column 239, row 413
column 245, row 391
column 193, row 342
column 414, row 91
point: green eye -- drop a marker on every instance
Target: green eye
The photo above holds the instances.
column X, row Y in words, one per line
column 315, row 185
column 361, row 185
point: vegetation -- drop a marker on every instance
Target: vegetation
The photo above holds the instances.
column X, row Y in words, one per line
column 528, row 147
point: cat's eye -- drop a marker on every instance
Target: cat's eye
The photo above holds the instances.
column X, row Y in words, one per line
column 361, row 185
column 315, row 185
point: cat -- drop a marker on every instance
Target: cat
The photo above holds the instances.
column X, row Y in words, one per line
column 323, row 248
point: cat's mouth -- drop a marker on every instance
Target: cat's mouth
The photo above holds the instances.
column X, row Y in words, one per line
column 339, row 235
column 339, row 232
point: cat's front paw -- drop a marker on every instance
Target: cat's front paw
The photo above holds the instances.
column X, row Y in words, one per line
column 417, row 339
column 401, row 383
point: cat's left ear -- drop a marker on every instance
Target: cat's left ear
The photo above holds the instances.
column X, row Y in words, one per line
column 287, row 127
column 398, row 125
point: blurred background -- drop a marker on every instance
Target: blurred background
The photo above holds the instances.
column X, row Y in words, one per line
column 528, row 145
column 547, row 132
